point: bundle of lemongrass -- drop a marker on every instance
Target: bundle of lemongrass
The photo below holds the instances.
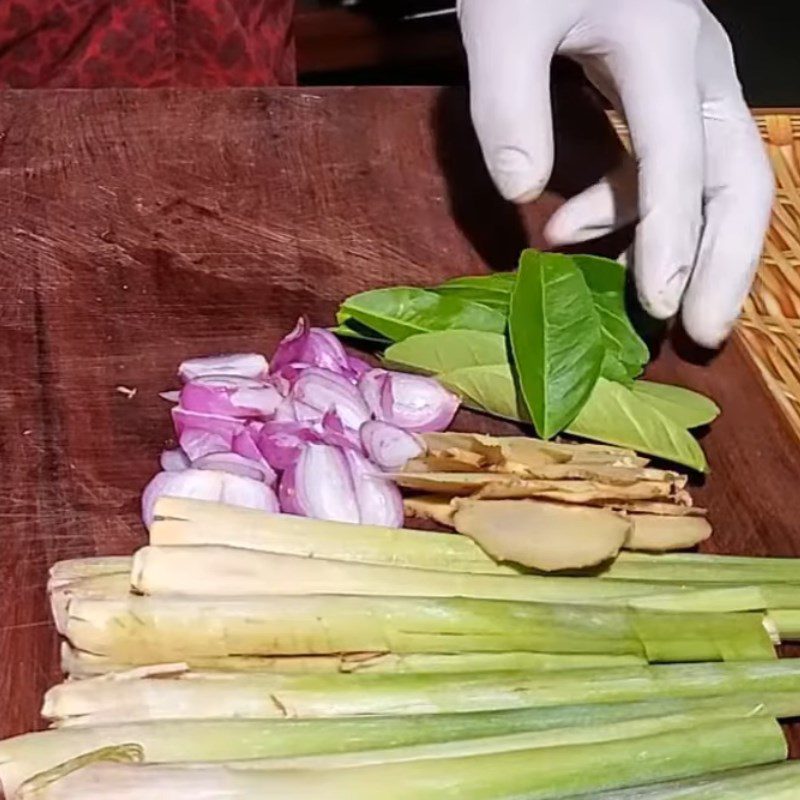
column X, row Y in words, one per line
column 249, row 654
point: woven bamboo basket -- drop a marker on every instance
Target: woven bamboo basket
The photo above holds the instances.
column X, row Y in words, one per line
column 770, row 323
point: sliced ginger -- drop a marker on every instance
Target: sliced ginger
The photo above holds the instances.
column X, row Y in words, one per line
column 531, row 452
column 432, row 507
column 545, row 536
column 660, row 533
column 497, row 486
column 556, row 505
column 575, row 491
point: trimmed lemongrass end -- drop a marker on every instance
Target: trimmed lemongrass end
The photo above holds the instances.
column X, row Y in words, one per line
column 73, row 569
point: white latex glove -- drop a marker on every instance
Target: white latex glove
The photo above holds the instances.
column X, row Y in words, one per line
column 705, row 186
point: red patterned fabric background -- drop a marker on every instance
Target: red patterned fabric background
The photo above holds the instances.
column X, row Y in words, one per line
column 147, row 43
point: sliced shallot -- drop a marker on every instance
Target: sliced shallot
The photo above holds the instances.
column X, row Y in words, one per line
column 197, row 443
column 230, row 396
column 333, row 431
column 245, row 365
column 311, row 347
column 319, row 484
column 356, row 367
column 379, row 499
column 281, row 442
column 325, row 390
column 174, row 460
column 370, row 384
column 234, row 464
column 224, row 426
column 244, row 444
column 197, row 484
column 388, row 446
column 416, row 403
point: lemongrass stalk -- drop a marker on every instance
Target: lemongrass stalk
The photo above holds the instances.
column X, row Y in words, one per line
column 208, row 695
column 774, row 782
column 711, row 599
column 78, row 664
column 703, row 568
column 786, row 622
column 168, row 741
column 538, row 774
column 74, row 569
column 233, row 571
column 99, row 586
column 197, row 522
column 187, row 522
column 780, row 595
column 145, row 630
column 527, row 740
column 558, row 737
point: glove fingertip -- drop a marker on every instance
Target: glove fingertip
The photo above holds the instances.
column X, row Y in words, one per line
column 516, row 175
column 709, row 335
column 662, row 302
column 705, row 324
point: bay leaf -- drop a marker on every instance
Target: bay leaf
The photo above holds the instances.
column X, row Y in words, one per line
column 606, row 281
column 445, row 351
column 403, row 311
column 615, row 370
column 349, row 328
column 555, row 339
column 498, row 301
column 683, row 406
column 493, row 281
column 487, row 388
column 493, row 290
column 613, row 413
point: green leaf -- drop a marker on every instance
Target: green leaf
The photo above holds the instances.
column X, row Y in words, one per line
column 492, row 290
column 618, row 415
column 606, row 281
column 349, row 328
column 555, row 339
column 497, row 301
column 498, row 282
column 444, row 351
column 490, row 388
column 613, row 369
column 683, row 406
column 404, row 311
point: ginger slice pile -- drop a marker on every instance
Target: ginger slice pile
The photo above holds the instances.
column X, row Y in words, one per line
column 550, row 505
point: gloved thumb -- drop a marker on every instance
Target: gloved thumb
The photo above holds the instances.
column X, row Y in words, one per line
column 509, row 48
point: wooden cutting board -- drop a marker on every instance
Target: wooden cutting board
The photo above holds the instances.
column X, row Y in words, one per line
column 138, row 228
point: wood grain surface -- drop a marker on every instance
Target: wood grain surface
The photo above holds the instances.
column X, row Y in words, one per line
column 138, row 228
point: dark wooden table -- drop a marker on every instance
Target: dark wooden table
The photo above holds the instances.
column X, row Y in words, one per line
column 138, row 228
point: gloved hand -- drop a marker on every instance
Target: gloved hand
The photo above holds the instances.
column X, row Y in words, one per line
column 705, row 186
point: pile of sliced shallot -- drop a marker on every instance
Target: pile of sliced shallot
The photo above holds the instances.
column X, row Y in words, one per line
column 309, row 433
